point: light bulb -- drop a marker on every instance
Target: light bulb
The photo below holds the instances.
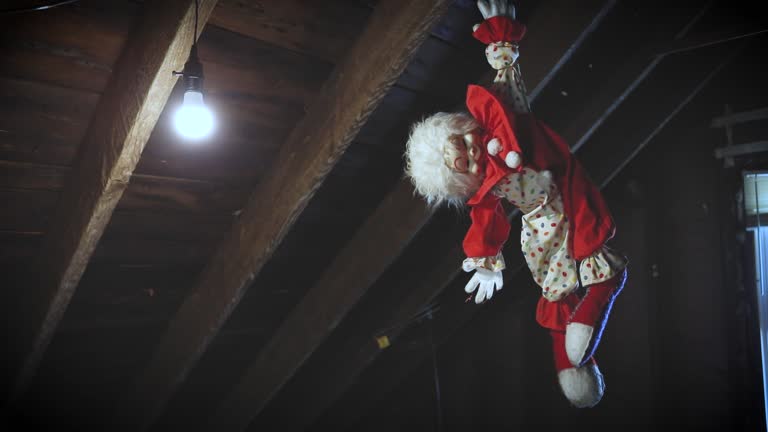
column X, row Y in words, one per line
column 193, row 119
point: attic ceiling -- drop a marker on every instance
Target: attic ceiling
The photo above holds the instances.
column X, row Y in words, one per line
column 245, row 279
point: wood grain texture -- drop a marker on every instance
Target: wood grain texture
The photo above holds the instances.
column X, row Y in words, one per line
column 122, row 123
column 379, row 242
column 75, row 46
column 545, row 49
column 42, row 122
column 323, row 30
column 145, row 193
column 346, row 100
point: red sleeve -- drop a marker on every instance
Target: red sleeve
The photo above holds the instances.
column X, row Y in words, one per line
column 500, row 29
column 489, row 230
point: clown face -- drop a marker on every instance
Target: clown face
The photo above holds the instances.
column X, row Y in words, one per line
column 462, row 153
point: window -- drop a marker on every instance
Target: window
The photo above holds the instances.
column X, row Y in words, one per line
column 756, row 211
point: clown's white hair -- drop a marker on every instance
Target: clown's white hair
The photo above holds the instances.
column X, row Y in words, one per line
column 426, row 166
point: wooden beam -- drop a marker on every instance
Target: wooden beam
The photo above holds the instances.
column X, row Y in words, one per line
column 322, row 308
column 126, row 115
column 741, row 149
column 345, row 102
column 454, row 315
column 709, row 39
column 680, row 106
column 355, row 269
column 740, row 117
column 625, row 80
column 321, row 29
column 544, row 57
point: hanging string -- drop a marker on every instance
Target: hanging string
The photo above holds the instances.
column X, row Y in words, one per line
column 36, row 8
column 197, row 11
column 436, row 375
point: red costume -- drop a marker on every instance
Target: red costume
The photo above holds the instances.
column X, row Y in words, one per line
column 541, row 149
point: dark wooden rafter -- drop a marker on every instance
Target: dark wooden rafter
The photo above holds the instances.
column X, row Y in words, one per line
column 294, row 24
column 353, row 91
column 625, row 80
column 451, row 317
column 363, row 348
column 355, row 269
column 122, row 123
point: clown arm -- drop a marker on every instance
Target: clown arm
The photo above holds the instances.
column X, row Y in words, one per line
column 502, row 34
column 482, row 245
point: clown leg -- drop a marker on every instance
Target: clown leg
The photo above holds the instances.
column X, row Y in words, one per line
column 589, row 317
column 583, row 386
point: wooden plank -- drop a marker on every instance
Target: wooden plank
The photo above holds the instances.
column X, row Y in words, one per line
column 324, row 30
column 436, row 58
column 238, row 64
column 322, row 308
column 36, row 116
column 740, row 117
column 631, row 74
column 144, row 193
column 411, row 215
column 741, row 149
column 587, row 21
column 121, row 126
column 80, row 42
column 343, row 105
column 118, row 248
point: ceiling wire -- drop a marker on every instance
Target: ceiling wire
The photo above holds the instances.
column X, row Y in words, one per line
column 197, row 11
column 36, row 8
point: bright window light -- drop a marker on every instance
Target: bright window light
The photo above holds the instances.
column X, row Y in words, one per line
column 756, row 193
column 755, row 204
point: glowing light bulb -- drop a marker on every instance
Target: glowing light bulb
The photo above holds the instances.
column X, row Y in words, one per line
column 193, row 120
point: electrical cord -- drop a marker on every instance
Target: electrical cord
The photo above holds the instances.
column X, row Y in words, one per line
column 197, row 9
column 36, row 8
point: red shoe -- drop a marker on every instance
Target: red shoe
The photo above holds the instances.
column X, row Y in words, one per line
column 582, row 386
column 587, row 322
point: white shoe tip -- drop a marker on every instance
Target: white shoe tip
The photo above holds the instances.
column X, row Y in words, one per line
column 577, row 338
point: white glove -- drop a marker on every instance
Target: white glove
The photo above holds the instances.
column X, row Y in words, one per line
column 487, row 280
column 492, row 8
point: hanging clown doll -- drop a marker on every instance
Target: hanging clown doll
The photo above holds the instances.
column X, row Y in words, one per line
column 500, row 151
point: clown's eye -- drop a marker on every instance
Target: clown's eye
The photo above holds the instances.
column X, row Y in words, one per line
column 473, row 151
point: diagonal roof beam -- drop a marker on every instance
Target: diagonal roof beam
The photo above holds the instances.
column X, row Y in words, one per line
column 128, row 110
column 357, row 85
column 391, row 227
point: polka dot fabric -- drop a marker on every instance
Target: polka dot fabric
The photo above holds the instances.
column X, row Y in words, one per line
column 501, row 55
column 544, row 236
column 605, row 264
column 508, row 82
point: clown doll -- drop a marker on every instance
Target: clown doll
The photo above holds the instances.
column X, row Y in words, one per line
column 500, row 151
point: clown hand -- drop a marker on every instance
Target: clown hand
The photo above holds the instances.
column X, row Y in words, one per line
column 492, row 8
column 488, row 281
